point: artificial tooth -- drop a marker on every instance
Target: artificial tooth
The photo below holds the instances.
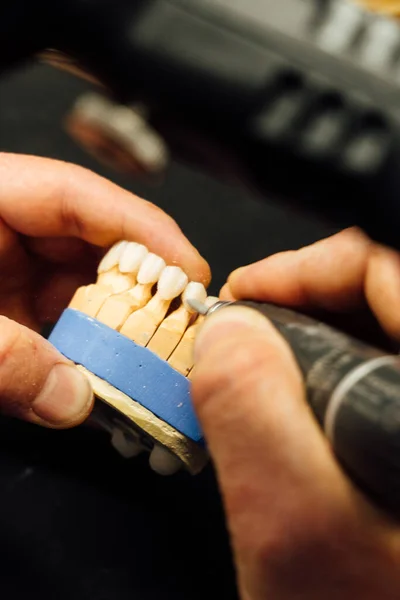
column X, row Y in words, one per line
column 117, row 309
column 111, row 259
column 194, row 291
column 89, row 299
column 164, row 462
column 132, row 258
column 172, row 283
column 182, row 358
column 142, row 324
column 171, row 330
column 151, row 269
column 126, row 446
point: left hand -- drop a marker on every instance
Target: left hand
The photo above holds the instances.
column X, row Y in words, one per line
column 55, row 218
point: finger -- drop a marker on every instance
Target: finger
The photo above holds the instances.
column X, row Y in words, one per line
column 328, row 275
column 37, row 384
column 42, row 198
column 382, row 288
column 248, row 392
column 289, row 507
column 62, row 250
column 14, row 262
column 226, row 294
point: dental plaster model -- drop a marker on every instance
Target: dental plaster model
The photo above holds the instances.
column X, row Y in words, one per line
column 132, row 334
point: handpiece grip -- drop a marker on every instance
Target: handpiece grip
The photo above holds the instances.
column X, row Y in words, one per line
column 354, row 391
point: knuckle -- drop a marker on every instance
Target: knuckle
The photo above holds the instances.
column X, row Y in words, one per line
column 157, row 210
column 67, row 198
column 160, row 215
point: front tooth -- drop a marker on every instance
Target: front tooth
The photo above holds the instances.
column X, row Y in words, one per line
column 112, row 257
column 151, row 269
column 132, row 258
column 194, row 291
column 172, row 283
column 142, row 324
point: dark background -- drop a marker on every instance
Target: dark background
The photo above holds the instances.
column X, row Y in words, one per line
column 76, row 521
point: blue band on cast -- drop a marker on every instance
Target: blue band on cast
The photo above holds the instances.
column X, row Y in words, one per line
column 132, row 369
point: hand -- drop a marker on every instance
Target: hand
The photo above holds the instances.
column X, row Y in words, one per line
column 54, row 219
column 299, row 528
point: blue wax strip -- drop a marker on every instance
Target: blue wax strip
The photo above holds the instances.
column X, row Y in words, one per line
column 132, row 369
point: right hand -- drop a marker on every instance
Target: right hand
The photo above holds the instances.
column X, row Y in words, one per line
column 299, row 528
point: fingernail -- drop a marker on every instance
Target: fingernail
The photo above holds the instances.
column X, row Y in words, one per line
column 66, row 397
column 228, row 320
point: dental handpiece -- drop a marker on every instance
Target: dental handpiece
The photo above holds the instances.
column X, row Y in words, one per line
column 354, row 392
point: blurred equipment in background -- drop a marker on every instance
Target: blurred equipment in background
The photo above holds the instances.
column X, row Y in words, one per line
column 118, row 136
column 300, row 99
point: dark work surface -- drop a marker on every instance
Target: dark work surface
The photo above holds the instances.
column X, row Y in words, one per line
column 76, row 521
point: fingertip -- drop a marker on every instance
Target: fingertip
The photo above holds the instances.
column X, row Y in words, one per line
column 272, row 279
column 382, row 288
column 200, row 269
column 229, row 321
column 236, row 276
column 66, row 398
column 226, row 293
column 328, row 274
column 250, row 281
column 191, row 261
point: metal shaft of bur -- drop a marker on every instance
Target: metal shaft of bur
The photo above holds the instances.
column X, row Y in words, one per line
column 203, row 309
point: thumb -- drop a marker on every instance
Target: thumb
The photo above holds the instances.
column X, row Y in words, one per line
column 275, row 468
column 37, row 383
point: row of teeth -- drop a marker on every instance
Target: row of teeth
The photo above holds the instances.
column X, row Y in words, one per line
column 123, row 299
column 139, row 266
